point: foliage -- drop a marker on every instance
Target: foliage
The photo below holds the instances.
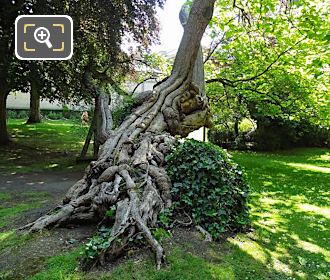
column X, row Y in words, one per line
column 160, row 234
column 284, row 134
column 97, row 243
column 272, row 134
column 120, row 113
column 152, row 66
column 17, row 114
column 209, row 186
column 225, row 137
column 165, row 218
column 46, row 114
column 269, row 59
column 111, row 212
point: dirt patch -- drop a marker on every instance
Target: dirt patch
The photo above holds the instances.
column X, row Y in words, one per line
column 46, row 188
column 26, row 260
column 53, row 182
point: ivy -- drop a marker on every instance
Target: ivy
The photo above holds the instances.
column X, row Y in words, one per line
column 97, row 244
column 209, row 186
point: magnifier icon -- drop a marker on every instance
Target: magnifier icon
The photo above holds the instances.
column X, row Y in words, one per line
column 41, row 35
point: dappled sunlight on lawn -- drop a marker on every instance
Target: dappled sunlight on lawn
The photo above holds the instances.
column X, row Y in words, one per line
column 309, row 167
column 313, row 248
column 325, row 211
column 50, row 145
column 290, row 210
column 5, row 235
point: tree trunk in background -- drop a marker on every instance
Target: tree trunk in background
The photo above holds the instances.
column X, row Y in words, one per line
column 103, row 121
column 34, row 114
column 4, row 136
column 102, row 118
column 129, row 174
column 236, row 128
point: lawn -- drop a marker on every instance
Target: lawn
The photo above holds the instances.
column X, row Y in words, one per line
column 51, row 145
column 290, row 212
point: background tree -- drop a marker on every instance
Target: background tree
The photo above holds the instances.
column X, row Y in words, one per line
column 269, row 61
column 100, row 30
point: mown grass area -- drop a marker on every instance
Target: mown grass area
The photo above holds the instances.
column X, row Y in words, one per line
column 12, row 206
column 290, row 212
column 50, row 145
column 15, row 203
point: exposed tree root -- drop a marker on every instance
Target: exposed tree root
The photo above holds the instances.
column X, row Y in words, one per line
column 136, row 184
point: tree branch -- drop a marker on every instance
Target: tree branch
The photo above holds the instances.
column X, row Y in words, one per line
column 212, row 50
column 233, row 83
column 140, row 83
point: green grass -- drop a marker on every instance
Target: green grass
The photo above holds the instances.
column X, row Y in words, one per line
column 11, row 239
column 14, row 204
column 50, row 145
column 290, row 211
column 62, row 267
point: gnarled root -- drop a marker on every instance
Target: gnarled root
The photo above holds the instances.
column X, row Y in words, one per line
column 136, row 183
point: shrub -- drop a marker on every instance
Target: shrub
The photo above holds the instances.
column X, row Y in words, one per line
column 272, row 134
column 66, row 112
column 54, row 115
column 97, row 243
column 120, row 113
column 221, row 136
column 209, row 186
column 275, row 134
column 11, row 114
column 225, row 138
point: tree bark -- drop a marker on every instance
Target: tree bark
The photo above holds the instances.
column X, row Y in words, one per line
column 236, row 128
column 103, row 124
column 34, row 114
column 102, row 118
column 4, row 136
column 129, row 173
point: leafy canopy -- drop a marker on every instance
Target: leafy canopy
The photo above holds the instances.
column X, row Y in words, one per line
column 270, row 58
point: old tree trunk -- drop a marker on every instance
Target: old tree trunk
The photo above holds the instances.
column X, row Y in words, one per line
column 34, row 114
column 129, row 173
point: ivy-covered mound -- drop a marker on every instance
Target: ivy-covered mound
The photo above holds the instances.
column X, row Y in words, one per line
column 209, row 187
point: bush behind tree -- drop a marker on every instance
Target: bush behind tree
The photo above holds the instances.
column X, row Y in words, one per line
column 273, row 134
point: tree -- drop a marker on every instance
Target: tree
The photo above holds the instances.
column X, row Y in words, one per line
column 268, row 60
column 99, row 31
column 7, row 18
column 129, row 174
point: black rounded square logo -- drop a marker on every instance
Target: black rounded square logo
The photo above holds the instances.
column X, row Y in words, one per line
column 43, row 37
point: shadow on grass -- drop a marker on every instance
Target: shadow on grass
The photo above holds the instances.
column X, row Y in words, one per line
column 225, row 262
column 290, row 212
column 45, row 146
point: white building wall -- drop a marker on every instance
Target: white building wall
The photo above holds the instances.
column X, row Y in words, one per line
column 21, row 100
column 198, row 134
